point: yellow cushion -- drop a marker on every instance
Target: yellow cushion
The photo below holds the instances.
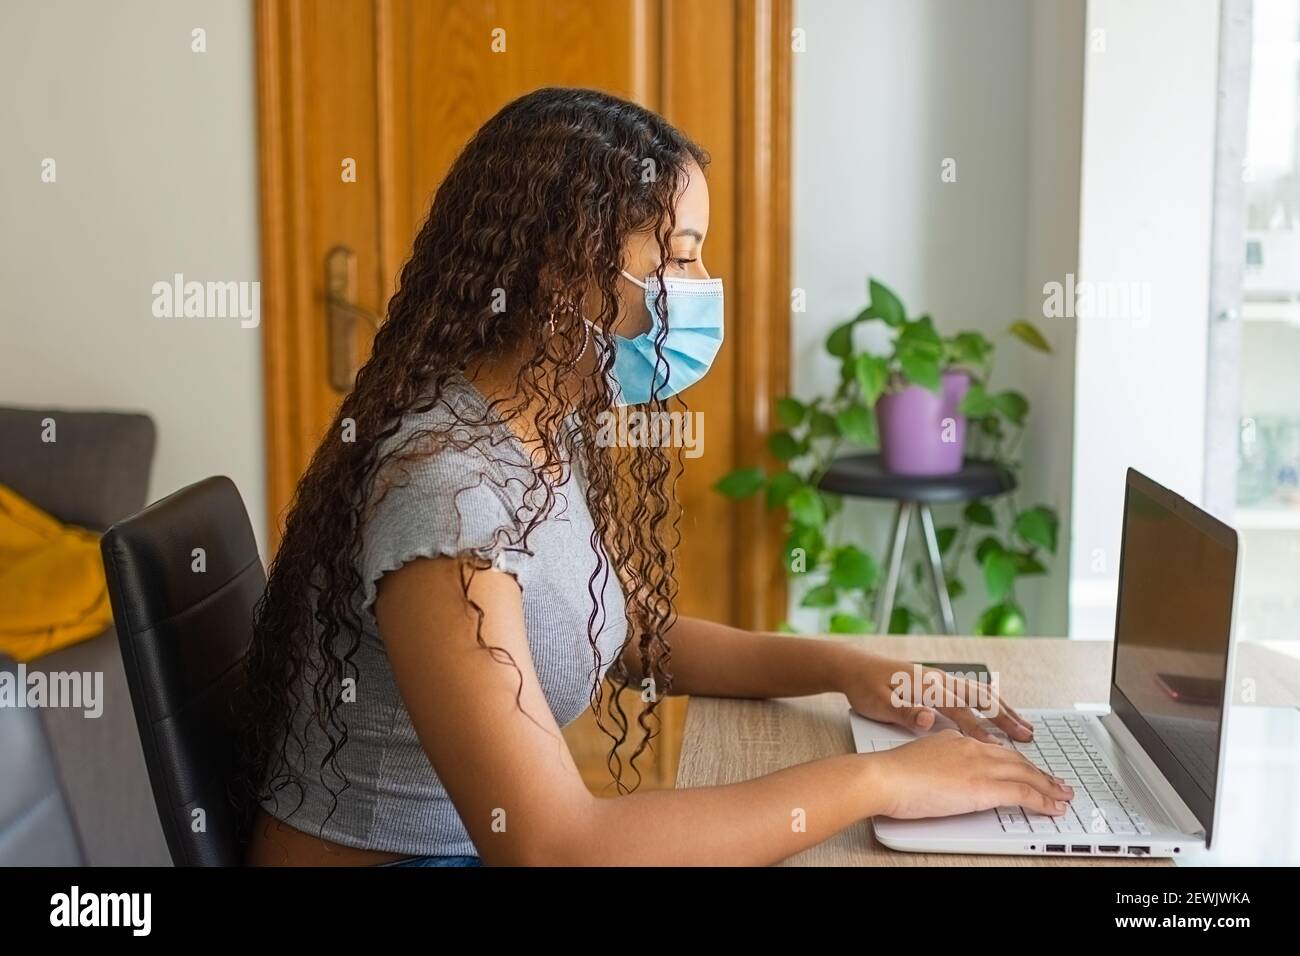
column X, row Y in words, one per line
column 52, row 590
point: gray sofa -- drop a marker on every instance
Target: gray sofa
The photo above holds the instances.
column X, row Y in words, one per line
column 93, row 474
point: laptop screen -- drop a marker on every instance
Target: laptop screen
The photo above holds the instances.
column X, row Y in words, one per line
column 1173, row 623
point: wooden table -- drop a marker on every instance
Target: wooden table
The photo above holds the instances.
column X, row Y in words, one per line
column 727, row 741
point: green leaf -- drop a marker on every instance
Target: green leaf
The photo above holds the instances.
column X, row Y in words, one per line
column 780, row 487
column 901, row 620
column 977, row 512
column 955, row 588
column 806, row 508
column 785, row 627
column 885, row 305
column 791, row 411
column 987, row 546
column 977, row 403
column 1029, row 334
column 946, row 538
column 848, row 369
column 1004, row 619
column 1012, row 405
column 783, row 446
column 740, row 483
column 920, row 369
column 999, row 573
column 857, row 424
column 854, row 569
column 1038, row 526
column 1027, row 563
column 840, row 342
column 842, row 623
column 986, row 624
column 823, row 595
column 872, row 374
column 921, row 335
column 970, row 348
column 822, row 425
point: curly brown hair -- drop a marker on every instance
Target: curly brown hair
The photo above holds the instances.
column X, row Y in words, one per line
column 535, row 213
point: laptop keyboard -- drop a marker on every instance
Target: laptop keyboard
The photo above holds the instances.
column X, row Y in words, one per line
column 1062, row 747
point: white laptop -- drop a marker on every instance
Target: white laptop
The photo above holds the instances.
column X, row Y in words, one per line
column 1147, row 774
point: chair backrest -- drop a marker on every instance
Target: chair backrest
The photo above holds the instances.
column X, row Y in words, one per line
column 36, row 827
column 184, row 575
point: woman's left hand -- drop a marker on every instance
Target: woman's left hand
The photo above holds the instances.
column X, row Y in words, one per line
column 910, row 695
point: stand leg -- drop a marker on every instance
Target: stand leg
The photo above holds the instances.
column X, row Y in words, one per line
column 936, row 569
column 897, row 545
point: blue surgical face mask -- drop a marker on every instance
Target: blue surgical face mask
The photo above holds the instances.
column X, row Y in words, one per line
column 693, row 339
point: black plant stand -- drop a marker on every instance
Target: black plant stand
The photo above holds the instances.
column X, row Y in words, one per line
column 864, row 476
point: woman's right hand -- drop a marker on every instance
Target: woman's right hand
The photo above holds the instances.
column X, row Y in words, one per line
column 948, row 773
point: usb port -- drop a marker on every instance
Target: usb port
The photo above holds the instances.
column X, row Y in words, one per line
column 1107, row 849
column 1079, row 848
column 1139, row 851
column 1056, row 848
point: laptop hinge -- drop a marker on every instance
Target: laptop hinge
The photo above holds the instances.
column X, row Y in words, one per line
column 1161, row 789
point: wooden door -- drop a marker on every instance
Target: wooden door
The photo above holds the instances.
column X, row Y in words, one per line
column 363, row 106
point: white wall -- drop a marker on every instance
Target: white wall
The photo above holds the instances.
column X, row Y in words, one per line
column 1051, row 251
column 1145, row 216
column 884, row 93
column 156, row 163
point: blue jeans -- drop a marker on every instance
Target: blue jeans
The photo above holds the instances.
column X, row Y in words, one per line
column 437, row 861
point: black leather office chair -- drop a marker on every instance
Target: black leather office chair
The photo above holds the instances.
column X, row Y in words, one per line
column 36, row 826
column 183, row 577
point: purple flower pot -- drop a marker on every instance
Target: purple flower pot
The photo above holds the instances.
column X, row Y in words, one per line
column 920, row 431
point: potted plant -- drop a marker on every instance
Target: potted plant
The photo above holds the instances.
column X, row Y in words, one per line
column 1007, row 542
column 918, row 388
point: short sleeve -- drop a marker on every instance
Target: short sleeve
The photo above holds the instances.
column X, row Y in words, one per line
column 448, row 505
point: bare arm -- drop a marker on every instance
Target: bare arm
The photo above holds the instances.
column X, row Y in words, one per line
column 492, row 740
column 715, row 660
column 719, row 661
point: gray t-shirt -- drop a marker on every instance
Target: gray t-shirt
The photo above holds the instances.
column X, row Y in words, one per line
column 453, row 501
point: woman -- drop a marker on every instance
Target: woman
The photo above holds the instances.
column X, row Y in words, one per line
column 464, row 560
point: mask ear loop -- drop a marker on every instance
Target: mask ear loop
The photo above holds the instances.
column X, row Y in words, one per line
column 633, row 279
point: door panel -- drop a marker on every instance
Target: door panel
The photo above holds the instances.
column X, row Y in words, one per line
column 698, row 89
column 317, row 90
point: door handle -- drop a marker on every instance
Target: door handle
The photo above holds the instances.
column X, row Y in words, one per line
column 341, row 315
